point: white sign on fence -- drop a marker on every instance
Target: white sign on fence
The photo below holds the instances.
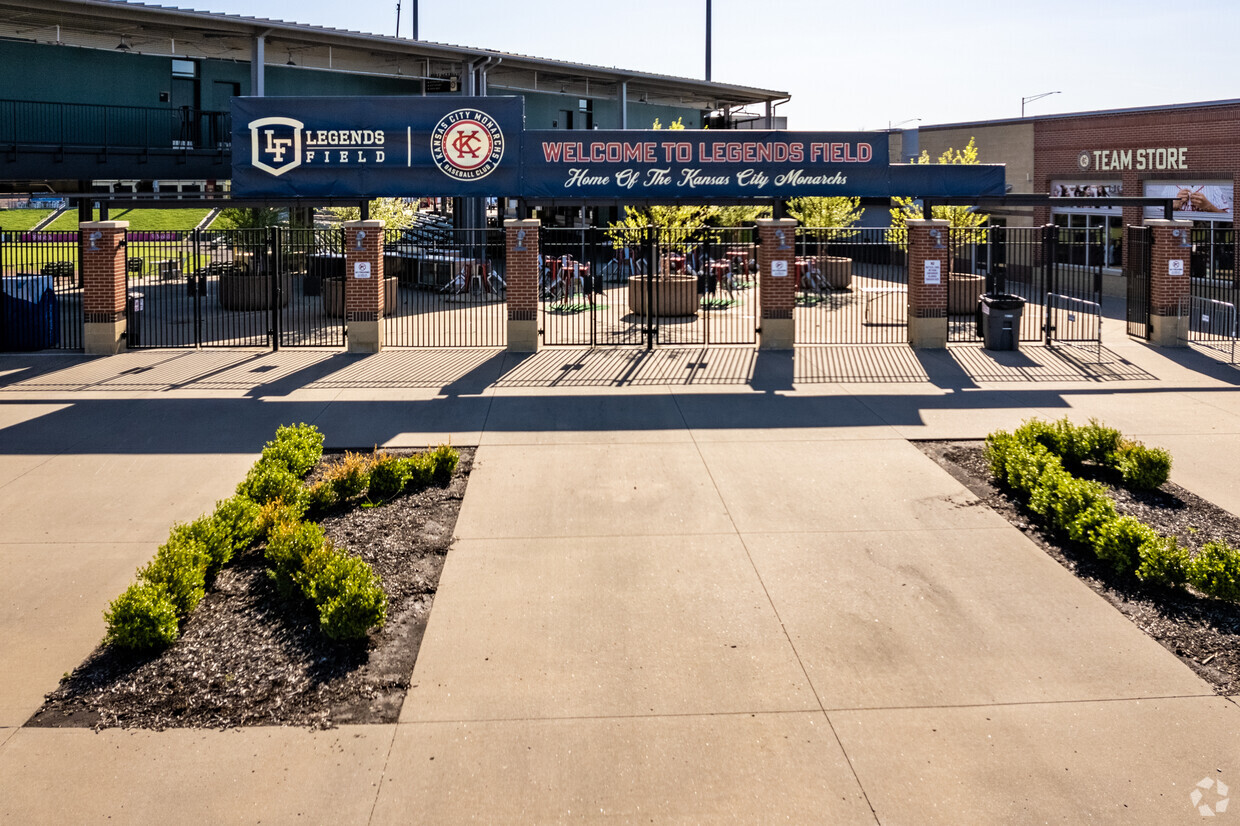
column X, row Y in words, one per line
column 1175, row 266
column 779, row 269
column 934, row 271
column 361, row 269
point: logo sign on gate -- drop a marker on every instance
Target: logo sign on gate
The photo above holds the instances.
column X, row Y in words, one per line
column 443, row 145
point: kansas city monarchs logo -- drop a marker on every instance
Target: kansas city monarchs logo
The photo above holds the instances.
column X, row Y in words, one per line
column 275, row 144
column 467, row 144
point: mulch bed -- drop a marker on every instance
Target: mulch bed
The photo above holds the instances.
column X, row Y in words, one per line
column 247, row 658
column 1203, row 632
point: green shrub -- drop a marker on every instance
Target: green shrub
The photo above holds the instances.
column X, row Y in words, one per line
column 1142, row 467
column 180, row 569
column 235, row 527
column 270, row 480
column 445, row 459
column 388, row 478
column 288, row 546
column 346, row 593
column 297, row 447
column 143, row 618
column 1097, row 442
column 277, row 512
column 1119, row 542
column 1085, row 525
column 320, row 496
column 1163, row 561
column 350, row 476
column 420, row 468
column 1062, row 497
column 1036, row 431
column 999, row 446
column 1215, row 570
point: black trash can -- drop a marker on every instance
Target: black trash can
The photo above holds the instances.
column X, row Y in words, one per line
column 133, row 319
column 1000, row 321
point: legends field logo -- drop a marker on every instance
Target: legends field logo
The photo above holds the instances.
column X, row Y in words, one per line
column 467, row 144
column 275, row 144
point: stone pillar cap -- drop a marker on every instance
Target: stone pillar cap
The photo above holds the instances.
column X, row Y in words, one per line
column 928, row 222
column 101, row 225
column 1166, row 222
column 777, row 222
column 522, row 222
column 372, row 223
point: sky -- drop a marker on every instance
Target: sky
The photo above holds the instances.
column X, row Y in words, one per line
column 850, row 65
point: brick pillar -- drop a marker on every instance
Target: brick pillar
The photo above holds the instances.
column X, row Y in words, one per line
column 363, row 285
column 1171, row 250
column 521, row 241
column 103, row 287
column 928, row 242
column 777, row 282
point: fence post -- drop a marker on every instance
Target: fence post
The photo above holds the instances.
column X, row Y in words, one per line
column 103, row 287
column 521, row 239
column 363, row 285
column 929, row 268
column 1170, row 261
column 777, row 282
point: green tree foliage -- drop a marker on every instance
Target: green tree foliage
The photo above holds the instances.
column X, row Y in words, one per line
column 395, row 212
column 250, row 219
column 959, row 217
column 821, row 211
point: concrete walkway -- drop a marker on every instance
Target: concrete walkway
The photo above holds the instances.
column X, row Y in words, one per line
column 691, row 586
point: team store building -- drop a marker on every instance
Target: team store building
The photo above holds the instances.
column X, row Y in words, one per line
column 1187, row 152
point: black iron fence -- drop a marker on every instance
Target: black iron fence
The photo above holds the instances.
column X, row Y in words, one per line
column 234, row 288
column 1209, row 314
column 618, row 286
column 1046, row 266
column 445, row 288
column 1137, row 274
column 40, row 291
column 852, row 286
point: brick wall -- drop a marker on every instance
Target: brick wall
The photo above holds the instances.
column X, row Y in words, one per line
column 103, row 271
column 521, row 240
column 363, row 297
column 927, row 300
column 1210, row 133
column 777, row 242
column 1167, row 290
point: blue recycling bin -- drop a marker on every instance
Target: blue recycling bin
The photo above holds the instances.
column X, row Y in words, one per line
column 30, row 313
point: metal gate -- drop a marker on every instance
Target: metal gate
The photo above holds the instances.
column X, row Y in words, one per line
column 235, row 288
column 852, row 286
column 634, row 286
column 1209, row 313
column 40, row 291
column 445, row 287
column 1137, row 274
column 1056, row 270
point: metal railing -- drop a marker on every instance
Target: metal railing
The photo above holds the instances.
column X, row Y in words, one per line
column 1210, row 323
column 1074, row 322
column 852, row 286
column 40, row 293
column 39, row 123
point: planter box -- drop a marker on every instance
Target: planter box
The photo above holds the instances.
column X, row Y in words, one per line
column 963, row 292
column 333, row 296
column 836, row 270
column 250, row 292
column 674, row 295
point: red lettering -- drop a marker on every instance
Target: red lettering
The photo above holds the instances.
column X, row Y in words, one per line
column 552, row 151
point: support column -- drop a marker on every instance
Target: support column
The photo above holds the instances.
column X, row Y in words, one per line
column 521, row 241
column 1171, row 252
column 928, row 272
column 103, row 287
column 777, row 282
column 363, row 285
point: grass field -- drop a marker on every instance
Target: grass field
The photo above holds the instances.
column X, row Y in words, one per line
column 141, row 219
column 18, row 220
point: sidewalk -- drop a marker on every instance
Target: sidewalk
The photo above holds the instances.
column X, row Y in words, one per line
column 690, row 585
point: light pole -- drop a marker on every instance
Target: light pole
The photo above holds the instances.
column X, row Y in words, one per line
column 892, row 127
column 1032, row 98
column 708, row 40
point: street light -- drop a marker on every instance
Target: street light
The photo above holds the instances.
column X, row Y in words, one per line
column 892, row 127
column 1032, row 98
